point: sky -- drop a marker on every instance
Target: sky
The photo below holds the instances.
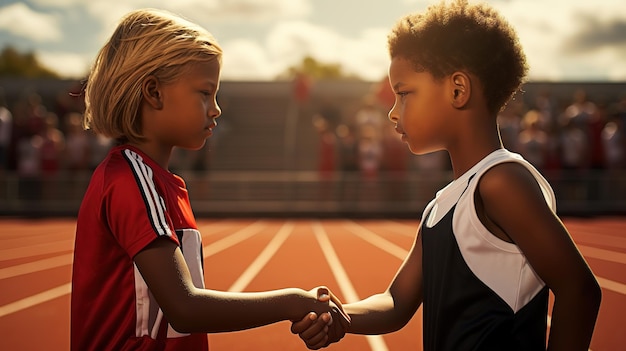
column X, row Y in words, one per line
column 564, row 40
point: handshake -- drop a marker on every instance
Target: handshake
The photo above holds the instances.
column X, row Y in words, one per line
column 326, row 326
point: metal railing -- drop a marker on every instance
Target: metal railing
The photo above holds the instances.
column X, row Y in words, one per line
column 306, row 193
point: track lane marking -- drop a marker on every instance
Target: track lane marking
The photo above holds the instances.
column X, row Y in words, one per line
column 612, row 285
column 233, row 239
column 67, row 259
column 66, row 288
column 37, row 249
column 36, row 299
column 36, row 266
column 210, row 229
column 376, row 240
column 602, row 254
column 255, row 267
column 410, row 231
column 376, row 342
column 587, row 251
column 59, row 246
column 595, row 237
column 210, row 249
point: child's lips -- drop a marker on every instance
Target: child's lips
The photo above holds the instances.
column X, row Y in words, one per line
column 401, row 132
column 209, row 129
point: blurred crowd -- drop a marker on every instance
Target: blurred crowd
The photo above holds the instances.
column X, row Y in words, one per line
column 41, row 144
column 578, row 135
column 575, row 135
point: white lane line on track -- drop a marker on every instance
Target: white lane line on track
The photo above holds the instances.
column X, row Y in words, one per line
column 612, row 285
column 409, row 231
column 261, row 260
column 376, row 342
column 64, row 289
column 66, row 259
column 37, row 249
column 210, row 229
column 595, row 238
column 36, row 266
column 587, row 251
column 233, row 239
column 602, row 254
column 36, row 299
column 376, row 240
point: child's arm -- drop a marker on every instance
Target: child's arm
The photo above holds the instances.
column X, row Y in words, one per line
column 378, row 314
column 190, row 309
column 391, row 310
column 513, row 203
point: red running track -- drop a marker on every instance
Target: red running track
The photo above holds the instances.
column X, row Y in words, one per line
column 354, row 258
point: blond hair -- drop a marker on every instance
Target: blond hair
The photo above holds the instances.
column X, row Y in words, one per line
column 146, row 42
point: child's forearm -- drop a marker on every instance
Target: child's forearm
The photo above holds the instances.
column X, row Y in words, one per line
column 573, row 318
column 376, row 315
column 212, row 311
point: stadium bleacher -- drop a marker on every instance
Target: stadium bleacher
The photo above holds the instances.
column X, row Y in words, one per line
column 262, row 159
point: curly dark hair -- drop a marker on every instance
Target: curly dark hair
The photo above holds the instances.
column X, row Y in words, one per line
column 459, row 36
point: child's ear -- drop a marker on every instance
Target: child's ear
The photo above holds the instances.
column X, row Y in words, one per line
column 460, row 89
column 151, row 91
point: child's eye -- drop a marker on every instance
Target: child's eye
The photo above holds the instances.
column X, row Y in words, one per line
column 402, row 94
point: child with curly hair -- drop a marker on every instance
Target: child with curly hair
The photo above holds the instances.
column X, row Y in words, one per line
column 490, row 246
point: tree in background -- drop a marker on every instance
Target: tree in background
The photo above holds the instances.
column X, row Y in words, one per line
column 316, row 70
column 16, row 64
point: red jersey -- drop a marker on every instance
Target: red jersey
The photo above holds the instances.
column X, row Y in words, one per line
column 130, row 202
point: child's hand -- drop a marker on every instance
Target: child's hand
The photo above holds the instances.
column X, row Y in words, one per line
column 339, row 321
column 330, row 327
column 313, row 330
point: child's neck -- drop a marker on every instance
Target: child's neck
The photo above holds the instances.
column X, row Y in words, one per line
column 158, row 153
column 473, row 144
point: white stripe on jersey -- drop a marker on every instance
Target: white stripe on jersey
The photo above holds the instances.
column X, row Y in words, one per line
column 142, row 305
column 160, row 204
column 155, row 204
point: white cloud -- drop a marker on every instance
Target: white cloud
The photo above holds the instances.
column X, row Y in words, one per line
column 246, row 60
column 204, row 12
column 66, row 64
column 288, row 43
column 18, row 19
column 213, row 10
column 248, row 9
column 543, row 27
column 365, row 56
column 603, row 64
column 284, row 31
column 58, row 3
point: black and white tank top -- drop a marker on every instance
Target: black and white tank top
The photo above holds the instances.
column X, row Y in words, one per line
column 480, row 292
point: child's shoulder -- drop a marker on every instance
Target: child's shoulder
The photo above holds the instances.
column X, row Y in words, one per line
column 515, row 181
column 120, row 164
column 123, row 156
column 502, row 169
